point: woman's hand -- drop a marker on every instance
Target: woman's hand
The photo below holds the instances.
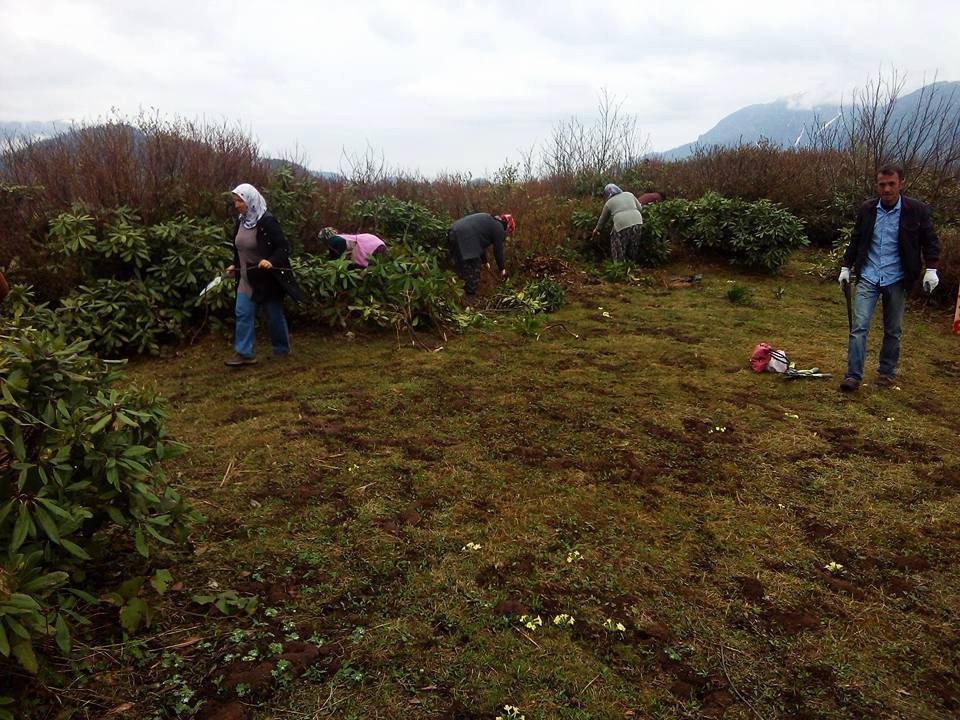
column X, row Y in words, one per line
column 230, row 271
column 265, row 264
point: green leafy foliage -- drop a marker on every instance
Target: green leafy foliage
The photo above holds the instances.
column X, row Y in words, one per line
column 407, row 287
column 229, row 602
column 404, row 220
column 760, row 235
column 538, row 296
column 140, row 286
column 78, row 457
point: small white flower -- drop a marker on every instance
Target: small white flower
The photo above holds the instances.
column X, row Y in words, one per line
column 471, row 547
column 833, row 566
column 574, row 556
column 563, row 620
column 614, row 626
column 606, row 314
column 889, row 419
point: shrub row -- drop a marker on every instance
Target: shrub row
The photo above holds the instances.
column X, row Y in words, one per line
column 759, row 235
column 79, row 463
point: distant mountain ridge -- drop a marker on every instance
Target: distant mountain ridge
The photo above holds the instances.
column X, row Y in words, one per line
column 784, row 124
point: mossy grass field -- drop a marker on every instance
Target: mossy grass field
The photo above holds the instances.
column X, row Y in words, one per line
column 415, row 525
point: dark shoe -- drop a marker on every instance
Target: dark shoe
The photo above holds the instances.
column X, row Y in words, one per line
column 239, row 360
column 885, row 381
column 850, row 384
column 280, row 356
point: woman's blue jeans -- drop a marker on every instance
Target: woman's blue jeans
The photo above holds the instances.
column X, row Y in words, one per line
column 246, row 312
column 894, row 300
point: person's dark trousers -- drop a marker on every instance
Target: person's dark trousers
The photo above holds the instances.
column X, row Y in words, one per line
column 246, row 313
column 471, row 276
column 630, row 242
column 468, row 270
column 894, row 300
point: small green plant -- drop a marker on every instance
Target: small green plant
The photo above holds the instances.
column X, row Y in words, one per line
column 738, row 295
column 281, row 673
column 229, row 602
column 528, row 324
column 618, row 272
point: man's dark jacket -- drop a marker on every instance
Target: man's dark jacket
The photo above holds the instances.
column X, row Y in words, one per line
column 274, row 283
column 918, row 241
column 470, row 237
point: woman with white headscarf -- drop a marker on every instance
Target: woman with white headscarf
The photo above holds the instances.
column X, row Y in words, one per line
column 624, row 208
column 261, row 266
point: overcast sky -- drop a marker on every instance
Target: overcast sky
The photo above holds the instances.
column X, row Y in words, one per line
column 446, row 86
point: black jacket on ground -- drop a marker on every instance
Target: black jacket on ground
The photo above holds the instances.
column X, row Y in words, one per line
column 278, row 281
column 918, row 241
column 470, row 237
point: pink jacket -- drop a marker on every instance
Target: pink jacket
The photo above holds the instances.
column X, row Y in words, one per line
column 362, row 246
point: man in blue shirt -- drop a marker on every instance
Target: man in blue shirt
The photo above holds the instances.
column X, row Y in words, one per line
column 893, row 239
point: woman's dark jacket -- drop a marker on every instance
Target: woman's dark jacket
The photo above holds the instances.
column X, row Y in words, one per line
column 470, row 236
column 917, row 240
column 278, row 281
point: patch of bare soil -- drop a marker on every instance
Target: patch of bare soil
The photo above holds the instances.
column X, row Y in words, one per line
column 669, row 332
column 945, row 686
column 789, row 622
column 751, row 588
column 241, row 414
column 511, row 607
column 508, row 573
column 257, row 678
column 844, row 586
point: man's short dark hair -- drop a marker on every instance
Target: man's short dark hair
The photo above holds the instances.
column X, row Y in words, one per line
column 891, row 168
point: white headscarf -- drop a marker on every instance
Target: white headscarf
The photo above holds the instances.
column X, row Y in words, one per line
column 610, row 190
column 256, row 205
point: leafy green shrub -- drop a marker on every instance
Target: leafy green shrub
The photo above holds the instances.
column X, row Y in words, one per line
column 404, row 220
column 760, row 235
column 78, row 458
column 139, row 286
column 408, row 287
column 292, row 200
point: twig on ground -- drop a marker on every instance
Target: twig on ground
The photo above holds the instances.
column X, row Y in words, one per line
column 723, row 664
column 589, row 684
column 226, row 474
column 529, row 638
column 557, row 325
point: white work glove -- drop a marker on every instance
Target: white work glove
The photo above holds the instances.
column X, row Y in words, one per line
column 844, row 275
column 930, row 280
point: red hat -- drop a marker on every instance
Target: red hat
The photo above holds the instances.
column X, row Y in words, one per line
column 509, row 221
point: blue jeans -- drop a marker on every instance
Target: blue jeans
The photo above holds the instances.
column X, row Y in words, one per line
column 246, row 311
column 894, row 300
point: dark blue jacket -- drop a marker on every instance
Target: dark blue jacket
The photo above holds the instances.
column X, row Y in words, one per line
column 918, row 241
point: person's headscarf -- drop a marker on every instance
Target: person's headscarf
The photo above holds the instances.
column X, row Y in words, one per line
column 256, row 205
column 610, row 190
column 327, row 233
column 508, row 222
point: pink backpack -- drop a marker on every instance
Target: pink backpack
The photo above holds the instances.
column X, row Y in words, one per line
column 766, row 358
